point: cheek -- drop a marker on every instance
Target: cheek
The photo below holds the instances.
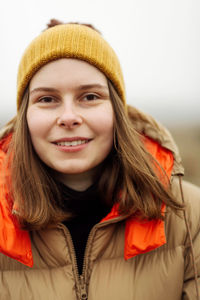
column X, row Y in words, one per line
column 37, row 123
column 104, row 123
column 106, row 128
column 38, row 126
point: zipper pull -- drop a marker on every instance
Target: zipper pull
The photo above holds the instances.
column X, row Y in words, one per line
column 83, row 290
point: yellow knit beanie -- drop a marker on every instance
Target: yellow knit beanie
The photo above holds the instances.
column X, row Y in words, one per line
column 69, row 41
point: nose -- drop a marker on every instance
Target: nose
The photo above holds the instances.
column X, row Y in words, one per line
column 69, row 116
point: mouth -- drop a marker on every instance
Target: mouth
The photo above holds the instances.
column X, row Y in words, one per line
column 72, row 143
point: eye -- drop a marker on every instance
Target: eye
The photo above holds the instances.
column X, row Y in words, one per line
column 90, row 97
column 46, row 99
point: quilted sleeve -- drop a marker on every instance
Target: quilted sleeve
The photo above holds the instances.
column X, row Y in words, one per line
column 192, row 199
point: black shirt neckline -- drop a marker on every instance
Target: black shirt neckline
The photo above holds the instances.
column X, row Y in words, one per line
column 88, row 209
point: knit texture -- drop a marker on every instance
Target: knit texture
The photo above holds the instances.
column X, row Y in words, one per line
column 69, row 41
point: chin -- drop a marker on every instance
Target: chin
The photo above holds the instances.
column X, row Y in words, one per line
column 72, row 170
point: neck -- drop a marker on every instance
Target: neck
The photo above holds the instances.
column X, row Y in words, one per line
column 78, row 182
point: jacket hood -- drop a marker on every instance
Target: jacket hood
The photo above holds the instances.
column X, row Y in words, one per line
column 149, row 127
column 140, row 236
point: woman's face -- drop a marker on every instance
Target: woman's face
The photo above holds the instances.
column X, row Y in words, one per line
column 70, row 116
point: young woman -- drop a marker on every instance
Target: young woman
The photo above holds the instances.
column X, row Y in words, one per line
column 90, row 204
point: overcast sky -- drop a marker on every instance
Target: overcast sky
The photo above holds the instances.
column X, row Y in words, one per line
column 158, row 44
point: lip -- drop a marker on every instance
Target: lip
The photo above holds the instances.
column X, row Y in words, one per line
column 71, row 149
column 71, row 139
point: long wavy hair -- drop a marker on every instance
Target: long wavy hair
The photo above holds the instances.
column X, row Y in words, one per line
column 129, row 175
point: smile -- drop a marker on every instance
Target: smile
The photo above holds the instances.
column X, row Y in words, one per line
column 72, row 143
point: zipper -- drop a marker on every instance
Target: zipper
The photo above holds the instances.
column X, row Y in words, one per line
column 80, row 280
column 91, row 235
column 83, row 289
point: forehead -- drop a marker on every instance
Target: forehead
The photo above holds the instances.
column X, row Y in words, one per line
column 68, row 71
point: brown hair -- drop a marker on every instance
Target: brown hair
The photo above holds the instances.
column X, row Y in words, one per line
column 127, row 177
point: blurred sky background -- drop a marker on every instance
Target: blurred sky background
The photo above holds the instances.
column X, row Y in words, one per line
column 158, row 44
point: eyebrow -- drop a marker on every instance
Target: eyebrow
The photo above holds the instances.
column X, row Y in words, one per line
column 80, row 87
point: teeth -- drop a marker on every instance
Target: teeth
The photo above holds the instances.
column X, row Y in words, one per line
column 73, row 143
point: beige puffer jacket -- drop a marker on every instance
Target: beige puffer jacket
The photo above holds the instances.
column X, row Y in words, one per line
column 165, row 272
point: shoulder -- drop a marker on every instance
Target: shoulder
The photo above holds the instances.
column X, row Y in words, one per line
column 190, row 195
